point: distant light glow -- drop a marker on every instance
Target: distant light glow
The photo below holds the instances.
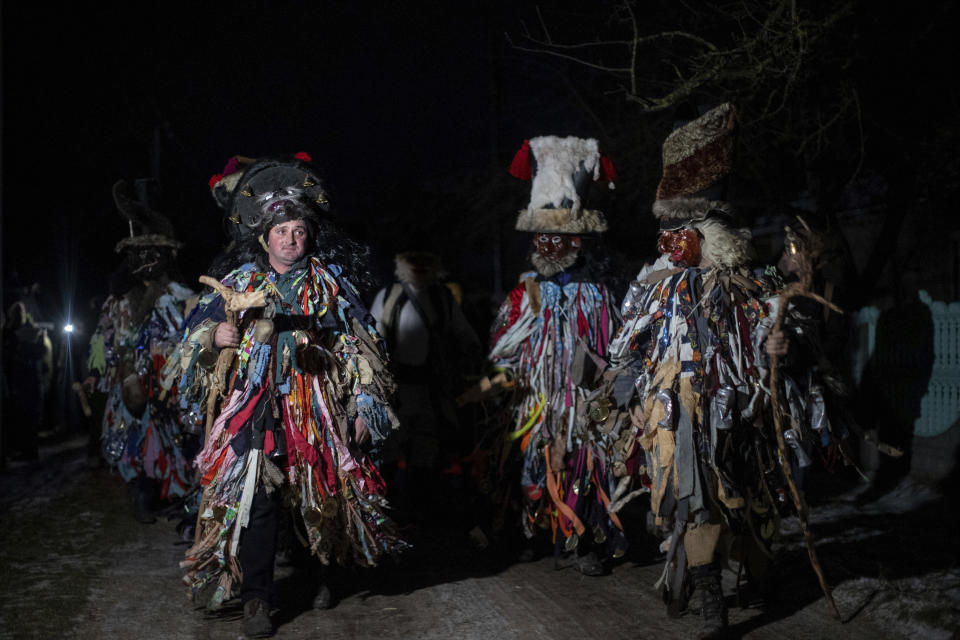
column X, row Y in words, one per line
column 68, row 328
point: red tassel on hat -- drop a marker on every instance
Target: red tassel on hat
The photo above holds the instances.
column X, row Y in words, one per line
column 214, row 179
column 520, row 167
column 607, row 171
column 302, row 155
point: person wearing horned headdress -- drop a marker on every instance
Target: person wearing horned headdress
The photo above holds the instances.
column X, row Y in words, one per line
column 286, row 360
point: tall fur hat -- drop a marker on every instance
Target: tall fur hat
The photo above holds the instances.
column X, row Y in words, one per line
column 253, row 191
column 148, row 227
column 697, row 157
column 562, row 170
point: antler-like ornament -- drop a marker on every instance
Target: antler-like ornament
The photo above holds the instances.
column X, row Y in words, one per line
column 233, row 303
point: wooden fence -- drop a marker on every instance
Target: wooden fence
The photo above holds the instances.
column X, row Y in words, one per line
column 897, row 348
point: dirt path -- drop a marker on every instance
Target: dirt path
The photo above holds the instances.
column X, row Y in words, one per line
column 75, row 564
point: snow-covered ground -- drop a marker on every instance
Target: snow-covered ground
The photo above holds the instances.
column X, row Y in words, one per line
column 892, row 558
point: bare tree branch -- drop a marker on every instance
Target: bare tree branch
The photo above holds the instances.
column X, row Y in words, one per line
column 543, row 25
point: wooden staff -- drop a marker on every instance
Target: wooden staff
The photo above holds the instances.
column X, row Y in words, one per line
column 803, row 288
column 233, row 303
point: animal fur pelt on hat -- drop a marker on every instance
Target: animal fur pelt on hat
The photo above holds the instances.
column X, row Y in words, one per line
column 697, row 157
column 724, row 246
column 565, row 168
column 148, row 227
column 686, row 209
column 147, row 240
column 559, row 160
column 561, row 221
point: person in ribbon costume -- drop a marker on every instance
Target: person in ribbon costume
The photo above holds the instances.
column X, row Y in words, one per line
column 696, row 345
column 286, row 360
column 145, row 436
column 556, row 319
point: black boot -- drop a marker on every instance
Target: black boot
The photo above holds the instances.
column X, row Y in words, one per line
column 588, row 564
column 256, row 619
column 706, row 580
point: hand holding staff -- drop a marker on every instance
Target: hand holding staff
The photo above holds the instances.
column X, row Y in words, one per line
column 233, row 303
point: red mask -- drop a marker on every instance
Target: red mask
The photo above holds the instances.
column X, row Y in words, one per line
column 682, row 246
column 555, row 246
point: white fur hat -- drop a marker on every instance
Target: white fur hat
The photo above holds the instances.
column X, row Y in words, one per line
column 561, row 170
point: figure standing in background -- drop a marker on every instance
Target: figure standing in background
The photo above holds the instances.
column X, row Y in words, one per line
column 555, row 320
column 143, row 435
column 26, row 349
column 432, row 348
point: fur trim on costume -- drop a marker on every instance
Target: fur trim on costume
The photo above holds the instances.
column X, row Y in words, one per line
column 687, row 209
column 223, row 189
column 724, row 246
column 561, row 221
column 148, row 240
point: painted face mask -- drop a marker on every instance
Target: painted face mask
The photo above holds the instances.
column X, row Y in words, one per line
column 554, row 252
column 555, row 246
column 683, row 246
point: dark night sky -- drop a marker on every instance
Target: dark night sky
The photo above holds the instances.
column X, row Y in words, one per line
column 390, row 99
column 381, row 95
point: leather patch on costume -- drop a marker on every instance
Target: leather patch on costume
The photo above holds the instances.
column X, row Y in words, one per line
column 533, row 294
column 700, row 542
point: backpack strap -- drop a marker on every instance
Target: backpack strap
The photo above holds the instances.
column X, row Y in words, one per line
column 390, row 316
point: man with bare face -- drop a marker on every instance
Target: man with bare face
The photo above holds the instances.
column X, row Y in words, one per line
column 292, row 373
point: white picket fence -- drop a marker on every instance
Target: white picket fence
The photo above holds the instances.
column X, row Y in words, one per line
column 940, row 404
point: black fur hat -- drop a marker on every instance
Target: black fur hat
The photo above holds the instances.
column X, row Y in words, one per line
column 258, row 193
